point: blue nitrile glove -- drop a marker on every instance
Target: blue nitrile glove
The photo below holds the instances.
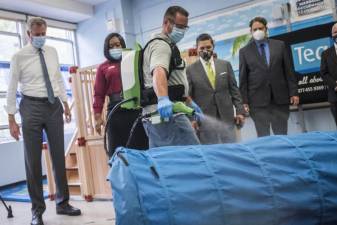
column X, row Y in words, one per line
column 199, row 113
column 165, row 107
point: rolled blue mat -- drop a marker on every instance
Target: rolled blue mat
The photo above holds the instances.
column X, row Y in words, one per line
column 276, row 180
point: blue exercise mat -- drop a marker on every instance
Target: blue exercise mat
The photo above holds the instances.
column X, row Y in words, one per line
column 19, row 192
column 276, row 180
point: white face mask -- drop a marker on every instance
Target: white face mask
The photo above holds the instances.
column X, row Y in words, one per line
column 259, row 35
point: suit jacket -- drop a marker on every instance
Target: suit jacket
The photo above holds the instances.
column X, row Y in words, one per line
column 219, row 100
column 329, row 72
column 260, row 82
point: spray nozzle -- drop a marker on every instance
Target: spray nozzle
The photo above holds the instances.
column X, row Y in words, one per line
column 180, row 107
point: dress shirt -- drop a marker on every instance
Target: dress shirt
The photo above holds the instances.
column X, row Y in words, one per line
column 26, row 70
column 266, row 49
column 203, row 62
column 335, row 47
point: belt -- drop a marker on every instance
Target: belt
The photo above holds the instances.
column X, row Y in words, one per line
column 37, row 99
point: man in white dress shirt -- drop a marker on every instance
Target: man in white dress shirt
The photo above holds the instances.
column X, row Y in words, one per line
column 36, row 68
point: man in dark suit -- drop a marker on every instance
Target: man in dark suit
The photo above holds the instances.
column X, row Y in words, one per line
column 329, row 72
column 267, row 81
column 213, row 87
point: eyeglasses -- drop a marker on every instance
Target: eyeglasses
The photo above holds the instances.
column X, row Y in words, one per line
column 180, row 26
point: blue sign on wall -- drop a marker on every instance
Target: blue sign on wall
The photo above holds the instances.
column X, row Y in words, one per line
column 307, row 55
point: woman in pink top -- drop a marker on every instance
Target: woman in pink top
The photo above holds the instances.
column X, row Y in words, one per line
column 108, row 83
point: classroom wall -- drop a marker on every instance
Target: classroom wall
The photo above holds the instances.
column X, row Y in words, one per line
column 148, row 14
column 91, row 33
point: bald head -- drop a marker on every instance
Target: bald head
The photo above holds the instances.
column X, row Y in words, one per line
column 334, row 30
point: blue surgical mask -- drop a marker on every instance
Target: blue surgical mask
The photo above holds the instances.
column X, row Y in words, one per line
column 177, row 34
column 38, row 41
column 115, row 53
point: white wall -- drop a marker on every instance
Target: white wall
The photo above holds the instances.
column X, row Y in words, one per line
column 92, row 32
column 148, row 14
column 128, row 23
column 12, row 164
column 137, row 20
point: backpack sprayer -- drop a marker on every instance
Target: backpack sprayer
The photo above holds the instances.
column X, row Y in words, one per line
column 131, row 71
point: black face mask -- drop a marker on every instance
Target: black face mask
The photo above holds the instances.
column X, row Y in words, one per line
column 206, row 55
column 334, row 38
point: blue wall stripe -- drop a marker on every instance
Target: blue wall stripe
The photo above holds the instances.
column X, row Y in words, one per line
column 4, row 65
column 301, row 25
column 64, row 68
column 312, row 22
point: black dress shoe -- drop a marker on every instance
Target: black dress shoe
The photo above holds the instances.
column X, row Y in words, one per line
column 68, row 210
column 37, row 219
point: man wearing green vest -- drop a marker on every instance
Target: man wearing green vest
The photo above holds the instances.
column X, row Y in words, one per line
column 213, row 87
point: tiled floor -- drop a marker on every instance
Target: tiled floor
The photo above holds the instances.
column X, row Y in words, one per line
column 93, row 213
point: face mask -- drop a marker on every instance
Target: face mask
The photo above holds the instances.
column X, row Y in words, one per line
column 177, row 34
column 206, row 55
column 334, row 38
column 116, row 53
column 259, row 35
column 38, row 41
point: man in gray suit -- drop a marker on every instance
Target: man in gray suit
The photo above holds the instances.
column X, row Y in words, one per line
column 213, row 87
column 267, row 81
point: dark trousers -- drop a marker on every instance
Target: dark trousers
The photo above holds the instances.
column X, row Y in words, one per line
column 36, row 116
column 119, row 129
column 333, row 108
column 274, row 116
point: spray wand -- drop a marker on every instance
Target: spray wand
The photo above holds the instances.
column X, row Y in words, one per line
column 178, row 107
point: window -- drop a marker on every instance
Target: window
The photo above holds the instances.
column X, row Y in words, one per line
column 8, row 26
column 10, row 42
column 8, row 46
column 64, row 50
column 4, row 75
column 63, row 41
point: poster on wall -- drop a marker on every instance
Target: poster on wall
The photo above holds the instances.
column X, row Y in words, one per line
column 305, row 48
column 305, row 7
column 223, row 49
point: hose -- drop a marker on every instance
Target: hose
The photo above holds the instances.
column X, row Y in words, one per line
column 113, row 110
